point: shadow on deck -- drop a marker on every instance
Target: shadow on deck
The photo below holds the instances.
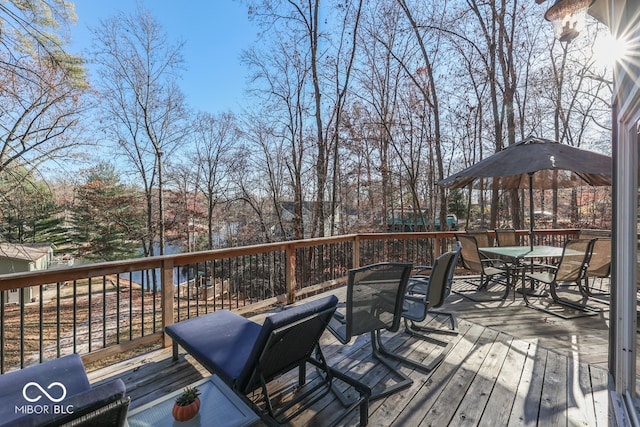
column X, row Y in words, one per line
column 509, row 365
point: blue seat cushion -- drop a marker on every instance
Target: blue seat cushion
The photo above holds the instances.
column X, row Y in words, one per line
column 15, row 389
column 229, row 345
column 221, row 341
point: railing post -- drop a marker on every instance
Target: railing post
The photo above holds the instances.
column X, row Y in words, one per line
column 166, row 278
column 356, row 252
column 290, row 274
column 438, row 247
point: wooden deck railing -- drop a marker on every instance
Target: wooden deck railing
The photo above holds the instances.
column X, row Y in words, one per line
column 99, row 310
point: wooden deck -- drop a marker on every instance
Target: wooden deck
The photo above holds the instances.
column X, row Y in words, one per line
column 509, row 366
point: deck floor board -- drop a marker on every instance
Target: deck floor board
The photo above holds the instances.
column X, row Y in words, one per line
column 509, row 365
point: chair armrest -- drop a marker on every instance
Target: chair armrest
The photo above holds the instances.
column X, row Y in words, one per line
column 418, row 285
column 340, row 317
column 415, row 298
column 494, row 262
column 419, row 269
column 543, row 266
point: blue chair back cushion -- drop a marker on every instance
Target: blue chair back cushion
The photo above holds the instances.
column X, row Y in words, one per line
column 276, row 321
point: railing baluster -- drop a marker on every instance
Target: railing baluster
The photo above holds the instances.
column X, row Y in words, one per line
column 198, row 288
column 154, row 293
column 211, row 273
column 41, row 323
column 223, row 278
column 2, row 322
column 118, row 308
column 144, row 279
column 22, row 349
column 237, row 282
column 130, row 306
column 90, row 314
column 58, row 320
column 104, row 311
column 75, row 316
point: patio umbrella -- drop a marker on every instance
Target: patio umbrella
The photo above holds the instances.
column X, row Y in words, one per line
column 537, row 163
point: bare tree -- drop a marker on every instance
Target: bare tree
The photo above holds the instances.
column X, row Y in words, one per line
column 372, row 113
column 264, row 176
column 143, row 108
column 183, row 213
column 284, row 72
column 215, row 138
column 306, row 73
column 429, row 90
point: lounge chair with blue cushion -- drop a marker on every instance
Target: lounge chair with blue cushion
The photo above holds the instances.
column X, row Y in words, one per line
column 56, row 393
column 247, row 355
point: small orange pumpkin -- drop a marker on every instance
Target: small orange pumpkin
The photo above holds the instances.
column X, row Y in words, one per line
column 184, row 413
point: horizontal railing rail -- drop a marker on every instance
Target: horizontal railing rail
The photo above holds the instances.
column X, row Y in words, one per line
column 103, row 309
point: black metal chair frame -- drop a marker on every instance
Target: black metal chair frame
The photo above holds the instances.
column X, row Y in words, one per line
column 424, row 294
column 281, row 341
column 418, row 287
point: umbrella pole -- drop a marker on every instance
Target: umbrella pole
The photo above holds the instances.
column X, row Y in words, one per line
column 531, row 209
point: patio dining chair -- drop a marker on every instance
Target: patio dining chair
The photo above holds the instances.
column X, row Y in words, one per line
column 600, row 262
column 489, row 269
column 247, row 356
column 374, row 303
column 571, row 269
column 423, row 295
column 428, row 292
column 482, row 237
column 507, row 237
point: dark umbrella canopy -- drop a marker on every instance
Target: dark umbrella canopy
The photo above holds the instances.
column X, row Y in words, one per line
column 537, row 163
column 512, row 167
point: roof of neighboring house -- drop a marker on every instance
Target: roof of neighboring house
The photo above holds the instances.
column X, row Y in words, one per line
column 24, row 252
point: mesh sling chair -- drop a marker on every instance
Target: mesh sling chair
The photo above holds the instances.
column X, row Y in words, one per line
column 375, row 294
column 507, row 237
column 600, row 262
column 425, row 294
column 482, row 237
column 247, row 356
column 571, row 268
column 421, row 298
column 489, row 269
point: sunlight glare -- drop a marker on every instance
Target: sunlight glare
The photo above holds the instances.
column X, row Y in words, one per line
column 610, row 50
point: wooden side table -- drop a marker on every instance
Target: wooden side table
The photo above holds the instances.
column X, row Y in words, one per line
column 218, row 404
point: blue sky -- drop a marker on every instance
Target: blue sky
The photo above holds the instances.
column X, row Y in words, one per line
column 215, row 32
